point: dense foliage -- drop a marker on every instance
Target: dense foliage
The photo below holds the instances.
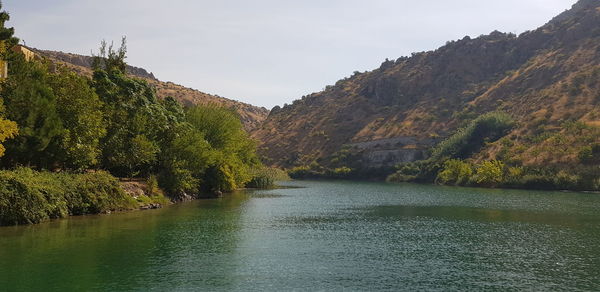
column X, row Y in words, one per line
column 8, row 128
column 266, row 177
column 28, row 196
column 60, row 125
column 466, row 141
column 452, row 161
column 210, row 152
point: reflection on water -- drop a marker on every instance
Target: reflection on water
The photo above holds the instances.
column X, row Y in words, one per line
column 328, row 235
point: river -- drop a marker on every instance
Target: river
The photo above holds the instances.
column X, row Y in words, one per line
column 320, row 236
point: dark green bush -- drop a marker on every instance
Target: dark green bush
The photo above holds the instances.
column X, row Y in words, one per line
column 536, row 181
column 94, row 193
column 590, row 154
column 486, row 128
column 304, row 172
column 264, row 178
column 28, row 196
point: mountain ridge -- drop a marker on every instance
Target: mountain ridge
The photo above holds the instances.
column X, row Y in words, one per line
column 548, row 72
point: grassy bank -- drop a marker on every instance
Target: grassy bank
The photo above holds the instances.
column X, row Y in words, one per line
column 28, row 196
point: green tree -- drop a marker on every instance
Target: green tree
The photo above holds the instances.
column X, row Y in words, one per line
column 455, row 172
column 234, row 152
column 109, row 58
column 7, row 38
column 466, row 141
column 138, row 125
column 80, row 111
column 8, row 128
column 490, row 173
column 185, row 161
column 30, row 101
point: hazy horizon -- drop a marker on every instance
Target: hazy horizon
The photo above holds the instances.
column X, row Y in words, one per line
column 267, row 52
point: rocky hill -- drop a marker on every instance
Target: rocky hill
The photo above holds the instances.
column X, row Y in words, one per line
column 547, row 79
column 251, row 116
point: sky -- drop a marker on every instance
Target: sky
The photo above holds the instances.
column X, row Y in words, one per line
column 267, row 52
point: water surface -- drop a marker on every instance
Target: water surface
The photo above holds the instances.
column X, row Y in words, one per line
column 324, row 236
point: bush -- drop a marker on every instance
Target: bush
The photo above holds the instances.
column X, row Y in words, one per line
column 489, row 173
column 418, row 171
column 302, row 172
column 341, row 172
column 153, row 188
column 399, row 177
column 264, row 178
column 567, row 181
column 486, row 128
column 590, row 154
column 537, row 181
column 94, row 193
column 455, row 172
column 28, row 196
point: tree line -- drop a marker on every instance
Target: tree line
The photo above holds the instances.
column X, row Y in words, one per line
column 56, row 120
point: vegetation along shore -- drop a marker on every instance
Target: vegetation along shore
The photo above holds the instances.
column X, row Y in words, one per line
column 66, row 137
column 91, row 134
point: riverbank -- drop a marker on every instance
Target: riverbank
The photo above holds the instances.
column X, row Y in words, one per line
column 453, row 172
column 525, row 182
column 28, row 196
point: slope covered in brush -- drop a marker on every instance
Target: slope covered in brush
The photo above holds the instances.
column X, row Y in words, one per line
column 545, row 79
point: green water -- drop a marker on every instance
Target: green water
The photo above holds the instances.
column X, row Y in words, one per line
column 325, row 236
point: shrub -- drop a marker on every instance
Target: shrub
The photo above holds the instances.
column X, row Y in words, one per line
column 590, row 154
column 405, row 172
column 399, row 177
column 455, row 172
column 486, row 128
column 313, row 171
column 513, row 175
column 342, row 171
column 565, row 180
column 537, row 181
column 264, row 178
column 153, row 188
column 489, row 173
column 28, row 196
column 94, row 193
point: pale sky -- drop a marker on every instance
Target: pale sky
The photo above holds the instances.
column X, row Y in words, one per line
column 267, row 52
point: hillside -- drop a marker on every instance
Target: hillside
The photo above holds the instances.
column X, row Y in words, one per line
column 546, row 79
column 251, row 116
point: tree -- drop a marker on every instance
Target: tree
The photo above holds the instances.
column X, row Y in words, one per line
column 455, row 172
column 8, row 129
column 490, row 173
column 234, row 151
column 59, row 117
column 466, row 141
column 80, row 110
column 31, row 102
column 7, row 38
column 185, row 161
column 138, row 125
column 110, row 59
